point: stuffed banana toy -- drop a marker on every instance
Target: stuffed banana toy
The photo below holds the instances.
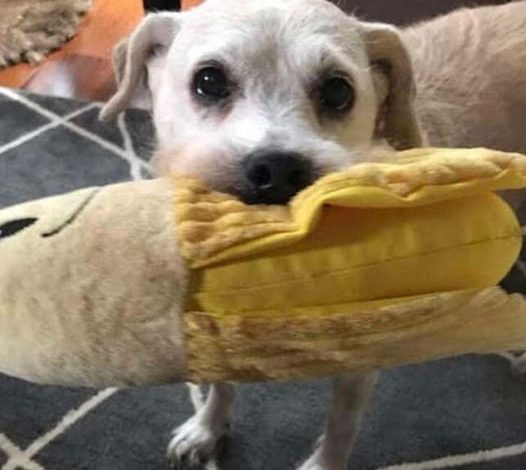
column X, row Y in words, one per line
column 165, row 280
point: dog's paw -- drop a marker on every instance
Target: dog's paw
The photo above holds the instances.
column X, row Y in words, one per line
column 195, row 441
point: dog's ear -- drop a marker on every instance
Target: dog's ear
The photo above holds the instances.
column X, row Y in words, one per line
column 153, row 35
column 119, row 59
column 395, row 85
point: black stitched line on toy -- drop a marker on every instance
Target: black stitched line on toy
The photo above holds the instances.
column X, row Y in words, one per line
column 14, row 226
column 72, row 218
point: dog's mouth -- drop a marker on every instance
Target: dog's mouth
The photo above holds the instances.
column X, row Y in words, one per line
column 262, row 177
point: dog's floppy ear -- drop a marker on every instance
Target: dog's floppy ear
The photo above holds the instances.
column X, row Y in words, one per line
column 156, row 31
column 391, row 65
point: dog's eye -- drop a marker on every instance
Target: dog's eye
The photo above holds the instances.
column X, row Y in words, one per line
column 336, row 94
column 211, row 84
column 10, row 228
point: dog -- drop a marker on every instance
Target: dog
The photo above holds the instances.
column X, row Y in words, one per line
column 260, row 99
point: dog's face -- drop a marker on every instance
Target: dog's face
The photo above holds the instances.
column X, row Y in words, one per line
column 261, row 98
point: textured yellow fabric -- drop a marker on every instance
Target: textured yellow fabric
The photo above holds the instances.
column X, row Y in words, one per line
column 213, row 227
column 369, row 335
column 427, row 222
column 361, row 264
column 376, row 254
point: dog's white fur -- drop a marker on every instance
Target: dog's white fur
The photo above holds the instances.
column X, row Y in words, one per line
column 276, row 51
column 469, row 68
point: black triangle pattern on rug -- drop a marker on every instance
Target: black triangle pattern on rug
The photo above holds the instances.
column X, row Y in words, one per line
column 468, row 413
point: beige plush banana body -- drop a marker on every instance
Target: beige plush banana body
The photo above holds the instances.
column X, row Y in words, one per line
column 164, row 280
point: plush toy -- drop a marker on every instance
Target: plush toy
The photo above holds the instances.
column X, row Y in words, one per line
column 165, row 280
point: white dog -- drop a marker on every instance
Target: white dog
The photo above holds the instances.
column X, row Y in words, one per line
column 260, row 98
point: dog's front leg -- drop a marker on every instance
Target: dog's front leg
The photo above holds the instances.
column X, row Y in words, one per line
column 195, row 440
column 350, row 396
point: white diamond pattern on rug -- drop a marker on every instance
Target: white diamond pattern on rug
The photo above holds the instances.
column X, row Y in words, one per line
column 22, row 458
column 127, row 153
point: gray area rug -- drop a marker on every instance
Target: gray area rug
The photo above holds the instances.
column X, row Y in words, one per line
column 467, row 413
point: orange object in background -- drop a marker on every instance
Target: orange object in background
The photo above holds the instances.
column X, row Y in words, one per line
column 81, row 68
column 63, row 73
column 186, row 4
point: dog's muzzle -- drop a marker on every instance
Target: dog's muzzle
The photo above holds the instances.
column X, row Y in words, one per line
column 274, row 177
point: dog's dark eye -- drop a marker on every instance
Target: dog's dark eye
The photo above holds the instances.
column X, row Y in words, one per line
column 10, row 228
column 336, row 94
column 211, row 84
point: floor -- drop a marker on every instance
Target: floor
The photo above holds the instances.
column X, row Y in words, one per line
column 63, row 73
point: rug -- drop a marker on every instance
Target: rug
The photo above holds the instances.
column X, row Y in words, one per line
column 466, row 413
column 30, row 29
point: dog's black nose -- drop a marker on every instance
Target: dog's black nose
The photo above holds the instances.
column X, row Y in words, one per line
column 274, row 177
